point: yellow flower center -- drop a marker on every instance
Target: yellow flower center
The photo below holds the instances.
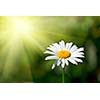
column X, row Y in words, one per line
column 63, row 54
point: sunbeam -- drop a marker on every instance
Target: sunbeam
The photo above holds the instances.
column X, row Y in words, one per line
column 17, row 35
column 23, row 39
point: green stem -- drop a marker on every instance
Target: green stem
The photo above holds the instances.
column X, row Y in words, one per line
column 62, row 75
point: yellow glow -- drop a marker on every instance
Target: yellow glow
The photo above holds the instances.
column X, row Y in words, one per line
column 20, row 25
column 25, row 29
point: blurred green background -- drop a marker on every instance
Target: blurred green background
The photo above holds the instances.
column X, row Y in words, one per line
column 23, row 40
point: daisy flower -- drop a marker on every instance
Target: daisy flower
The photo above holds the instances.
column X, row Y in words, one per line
column 63, row 53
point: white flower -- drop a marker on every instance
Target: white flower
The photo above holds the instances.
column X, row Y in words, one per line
column 64, row 53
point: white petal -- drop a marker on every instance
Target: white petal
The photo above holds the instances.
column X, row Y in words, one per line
column 73, row 48
column 52, row 49
column 77, row 55
column 63, row 63
column 57, row 46
column 78, row 60
column 69, row 46
column 53, row 66
column 58, row 62
column 49, row 52
column 66, row 61
column 80, row 49
column 62, row 44
column 80, row 53
column 72, row 61
column 51, row 57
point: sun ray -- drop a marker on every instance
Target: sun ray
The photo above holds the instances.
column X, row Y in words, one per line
column 22, row 37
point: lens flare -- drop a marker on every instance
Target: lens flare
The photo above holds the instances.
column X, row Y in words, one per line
column 21, row 26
